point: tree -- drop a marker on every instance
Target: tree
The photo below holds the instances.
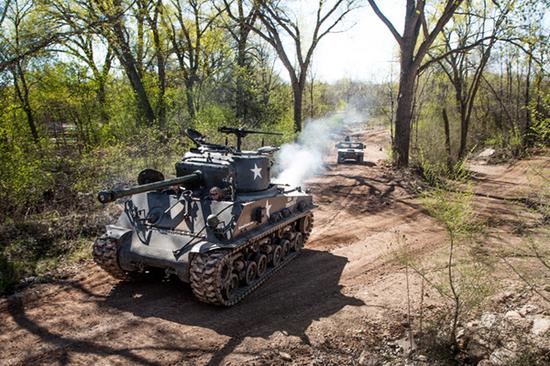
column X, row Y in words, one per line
column 530, row 35
column 118, row 36
column 160, row 53
column 411, row 57
column 20, row 15
column 464, row 62
column 278, row 24
column 34, row 42
column 240, row 30
column 189, row 38
column 83, row 46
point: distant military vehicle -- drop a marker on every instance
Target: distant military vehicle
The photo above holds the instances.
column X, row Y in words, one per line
column 220, row 225
column 350, row 150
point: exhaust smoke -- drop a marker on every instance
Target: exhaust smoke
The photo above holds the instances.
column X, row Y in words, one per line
column 295, row 162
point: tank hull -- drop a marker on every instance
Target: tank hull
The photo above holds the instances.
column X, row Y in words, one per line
column 255, row 225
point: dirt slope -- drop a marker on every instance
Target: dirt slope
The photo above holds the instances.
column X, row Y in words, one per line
column 343, row 295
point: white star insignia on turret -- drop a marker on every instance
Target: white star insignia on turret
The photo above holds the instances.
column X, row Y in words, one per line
column 257, row 172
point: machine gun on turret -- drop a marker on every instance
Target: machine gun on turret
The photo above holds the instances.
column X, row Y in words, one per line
column 241, row 133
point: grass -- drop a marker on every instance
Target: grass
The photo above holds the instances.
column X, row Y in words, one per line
column 463, row 272
column 33, row 249
column 462, row 281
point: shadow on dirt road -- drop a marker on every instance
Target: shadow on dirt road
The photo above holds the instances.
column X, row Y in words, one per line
column 307, row 289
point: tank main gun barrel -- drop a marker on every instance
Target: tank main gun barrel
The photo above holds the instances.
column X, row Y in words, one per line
column 114, row 194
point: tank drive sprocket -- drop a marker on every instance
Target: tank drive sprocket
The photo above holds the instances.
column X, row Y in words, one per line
column 105, row 254
column 215, row 276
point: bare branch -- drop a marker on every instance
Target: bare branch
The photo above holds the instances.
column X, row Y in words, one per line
column 447, row 14
column 453, row 51
column 4, row 11
column 387, row 22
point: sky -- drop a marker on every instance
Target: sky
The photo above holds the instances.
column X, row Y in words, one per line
column 363, row 49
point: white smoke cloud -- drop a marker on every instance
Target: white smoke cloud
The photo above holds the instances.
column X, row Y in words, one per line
column 304, row 158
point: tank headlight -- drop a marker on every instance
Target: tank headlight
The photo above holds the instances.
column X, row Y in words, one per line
column 212, row 221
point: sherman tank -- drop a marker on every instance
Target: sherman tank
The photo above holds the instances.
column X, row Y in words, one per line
column 221, row 225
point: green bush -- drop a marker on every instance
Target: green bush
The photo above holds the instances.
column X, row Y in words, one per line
column 540, row 116
column 120, row 163
column 24, row 177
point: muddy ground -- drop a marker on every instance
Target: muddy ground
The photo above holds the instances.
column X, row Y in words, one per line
column 342, row 302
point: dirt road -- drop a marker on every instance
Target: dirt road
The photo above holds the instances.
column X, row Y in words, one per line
column 344, row 294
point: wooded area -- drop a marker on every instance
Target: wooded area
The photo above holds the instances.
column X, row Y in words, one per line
column 93, row 91
column 425, row 244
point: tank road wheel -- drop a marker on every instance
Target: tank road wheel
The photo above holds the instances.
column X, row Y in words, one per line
column 261, row 264
column 298, row 244
column 230, row 286
column 251, row 271
column 105, row 253
column 285, row 245
column 225, row 272
column 305, row 225
column 277, row 255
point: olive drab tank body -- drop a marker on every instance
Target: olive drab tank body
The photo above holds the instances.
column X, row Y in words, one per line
column 220, row 225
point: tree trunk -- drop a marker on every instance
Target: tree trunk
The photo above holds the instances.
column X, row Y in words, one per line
column 30, row 120
column 311, row 99
column 240, row 107
column 189, row 96
column 403, row 114
column 101, row 95
column 463, row 134
column 161, row 79
column 22, row 92
column 457, row 78
column 527, row 134
column 161, row 104
column 447, row 140
column 141, row 94
column 124, row 54
column 407, row 78
column 297, row 92
column 461, row 107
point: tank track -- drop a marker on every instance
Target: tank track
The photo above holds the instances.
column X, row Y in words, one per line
column 208, row 273
column 105, row 254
